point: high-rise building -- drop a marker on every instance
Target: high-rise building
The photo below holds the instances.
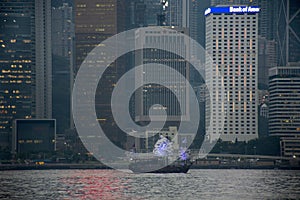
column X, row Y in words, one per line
column 153, row 8
column 267, row 32
column 43, row 60
column 151, row 94
column 177, row 13
column 266, row 60
column 287, row 31
column 25, row 62
column 95, row 21
column 63, row 64
column 62, row 30
column 231, row 73
column 137, row 14
column 284, row 100
column 266, row 19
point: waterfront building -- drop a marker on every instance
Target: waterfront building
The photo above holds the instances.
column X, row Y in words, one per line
column 290, row 146
column 232, row 45
column 34, row 136
column 25, row 63
column 284, row 100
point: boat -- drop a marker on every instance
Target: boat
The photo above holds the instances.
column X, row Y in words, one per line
column 159, row 161
column 150, row 166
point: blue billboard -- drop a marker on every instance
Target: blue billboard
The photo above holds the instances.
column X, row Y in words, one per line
column 232, row 9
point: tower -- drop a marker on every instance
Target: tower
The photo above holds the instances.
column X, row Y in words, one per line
column 284, row 118
column 152, row 94
column 63, row 61
column 232, row 43
column 25, row 62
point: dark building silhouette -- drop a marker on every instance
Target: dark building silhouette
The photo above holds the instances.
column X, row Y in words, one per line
column 95, row 21
column 287, row 31
column 63, row 63
column 34, row 136
column 25, row 62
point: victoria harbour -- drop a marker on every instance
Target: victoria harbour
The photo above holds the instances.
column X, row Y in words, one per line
column 149, row 99
column 111, row 184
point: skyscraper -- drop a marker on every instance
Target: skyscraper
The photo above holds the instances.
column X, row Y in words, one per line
column 62, row 30
column 266, row 60
column 95, row 21
column 63, row 64
column 25, row 62
column 137, row 14
column 178, row 13
column 153, row 8
column 232, row 43
column 284, row 117
column 287, row 31
column 43, row 60
column 151, row 94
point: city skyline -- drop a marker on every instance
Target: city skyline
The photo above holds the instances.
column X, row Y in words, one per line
column 149, row 99
column 86, row 24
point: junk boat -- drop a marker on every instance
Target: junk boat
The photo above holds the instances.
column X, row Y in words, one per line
column 159, row 160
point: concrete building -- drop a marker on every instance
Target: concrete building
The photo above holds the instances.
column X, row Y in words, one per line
column 149, row 94
column 284, row 100
column 34, row 135
column 25, row 63
column 232, row 43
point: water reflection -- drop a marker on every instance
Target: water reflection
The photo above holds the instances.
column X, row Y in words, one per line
column 96, row 184
column 110, row 184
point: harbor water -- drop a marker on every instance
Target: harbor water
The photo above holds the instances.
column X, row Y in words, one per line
column 111, row 184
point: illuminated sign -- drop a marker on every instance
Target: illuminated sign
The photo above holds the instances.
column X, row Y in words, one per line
column 232, row 9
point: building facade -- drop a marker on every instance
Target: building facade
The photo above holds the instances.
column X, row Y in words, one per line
column 25, row 63
column 151, row 94
column 231, row 73
column 287, row 31
column 34, row 136
column 284, row 100
column 63, row 64
column 266, row 60
column 95, row 21
column 290, row 146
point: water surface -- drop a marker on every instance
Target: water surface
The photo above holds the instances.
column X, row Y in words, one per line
column 110, row 184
